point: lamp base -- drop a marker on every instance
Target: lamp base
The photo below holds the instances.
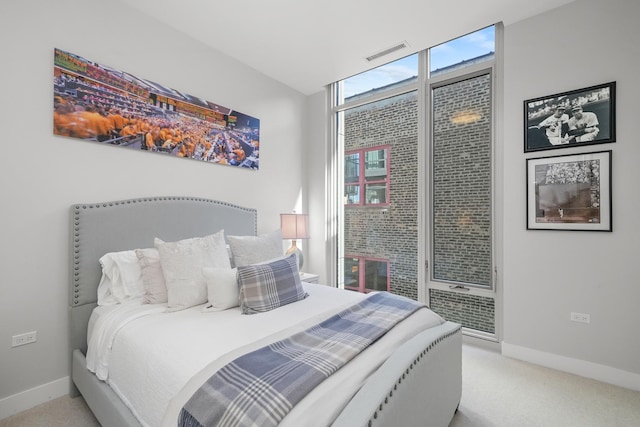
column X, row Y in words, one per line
column 295, row 250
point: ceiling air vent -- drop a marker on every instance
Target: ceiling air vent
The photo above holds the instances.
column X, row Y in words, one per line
column 387, row 51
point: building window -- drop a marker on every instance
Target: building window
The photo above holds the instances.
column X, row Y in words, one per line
column 366, row 274
column 366, row 177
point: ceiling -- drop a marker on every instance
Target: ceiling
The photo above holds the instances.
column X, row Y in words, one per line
column 307, row 44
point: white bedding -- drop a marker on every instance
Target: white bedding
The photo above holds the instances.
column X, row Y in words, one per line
column 155, row 360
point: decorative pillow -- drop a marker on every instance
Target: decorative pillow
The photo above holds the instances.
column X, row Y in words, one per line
column 247, row 250
column 121, row 279
column 263, row 287
column 222, row 288
column 155, row 288
column 182, row 263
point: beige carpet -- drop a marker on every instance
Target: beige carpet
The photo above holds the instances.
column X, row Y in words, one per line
column 496, row 391
column 60, row 412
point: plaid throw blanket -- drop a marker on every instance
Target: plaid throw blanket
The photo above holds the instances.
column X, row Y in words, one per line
column 261, row 387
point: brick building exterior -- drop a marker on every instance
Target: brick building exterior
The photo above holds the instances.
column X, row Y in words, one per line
column 390, row 231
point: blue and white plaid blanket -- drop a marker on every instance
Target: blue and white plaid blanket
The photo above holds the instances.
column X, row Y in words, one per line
column 261, row 387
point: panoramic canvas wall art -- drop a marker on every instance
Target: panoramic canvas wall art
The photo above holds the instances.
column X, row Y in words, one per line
column 97, row 103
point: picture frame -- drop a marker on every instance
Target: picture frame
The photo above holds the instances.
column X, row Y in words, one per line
column 101, row 104
column 570, row 119
column 570, row 192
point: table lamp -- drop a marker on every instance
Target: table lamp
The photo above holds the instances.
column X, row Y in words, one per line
column 295, row 226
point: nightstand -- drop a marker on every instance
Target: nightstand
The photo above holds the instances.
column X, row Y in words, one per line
column 308, row 277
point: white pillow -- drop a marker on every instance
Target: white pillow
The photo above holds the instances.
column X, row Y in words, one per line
column 105, row 295
column 155, row 288
column 121, row 278
column 222, row 288
column 247, row 250
column 182, row 263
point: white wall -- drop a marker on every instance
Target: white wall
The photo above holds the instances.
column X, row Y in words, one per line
column 316, row 174
column 41, row 174
column 548, row 274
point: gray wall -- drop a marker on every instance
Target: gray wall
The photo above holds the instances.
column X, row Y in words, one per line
column 41, row 174
column 548, row 274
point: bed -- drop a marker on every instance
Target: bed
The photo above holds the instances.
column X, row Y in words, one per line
column 410, row 376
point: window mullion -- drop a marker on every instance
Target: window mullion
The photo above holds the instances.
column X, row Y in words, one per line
column 363, row 188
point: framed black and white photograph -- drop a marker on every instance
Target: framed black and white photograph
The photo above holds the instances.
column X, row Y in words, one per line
column 570, row 192
column 579, row 117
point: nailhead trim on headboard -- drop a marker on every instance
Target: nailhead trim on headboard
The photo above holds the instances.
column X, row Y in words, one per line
column 76, row 255
column 421, row 356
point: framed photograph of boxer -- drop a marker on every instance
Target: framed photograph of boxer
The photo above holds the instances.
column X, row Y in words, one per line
column 570, row 192
column 575, row 118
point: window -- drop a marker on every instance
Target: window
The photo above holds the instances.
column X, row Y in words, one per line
column 366, row 172
column 421, row 127
column 380, row 79
column 461, row 239
column 461, row 182
column 464, row 51
column 366, row 274
column 378, row 140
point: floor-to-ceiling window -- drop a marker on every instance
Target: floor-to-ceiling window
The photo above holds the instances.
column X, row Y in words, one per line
column 416, row 157
column 461, row 184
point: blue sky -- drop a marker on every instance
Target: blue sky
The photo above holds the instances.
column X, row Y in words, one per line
column 463, row 48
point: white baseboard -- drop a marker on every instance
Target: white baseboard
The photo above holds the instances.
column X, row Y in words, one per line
column 27, row 399
column 487, row 344
column 583, row 368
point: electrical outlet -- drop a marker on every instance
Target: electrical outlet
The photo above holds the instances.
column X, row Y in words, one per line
column 580, row 317
column 22, row 339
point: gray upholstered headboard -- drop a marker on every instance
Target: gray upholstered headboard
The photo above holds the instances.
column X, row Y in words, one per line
column 98, row 228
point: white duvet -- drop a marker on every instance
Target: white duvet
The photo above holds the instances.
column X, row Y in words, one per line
column 154, row 360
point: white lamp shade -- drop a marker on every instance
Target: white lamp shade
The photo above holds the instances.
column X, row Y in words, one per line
column 294, row 226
